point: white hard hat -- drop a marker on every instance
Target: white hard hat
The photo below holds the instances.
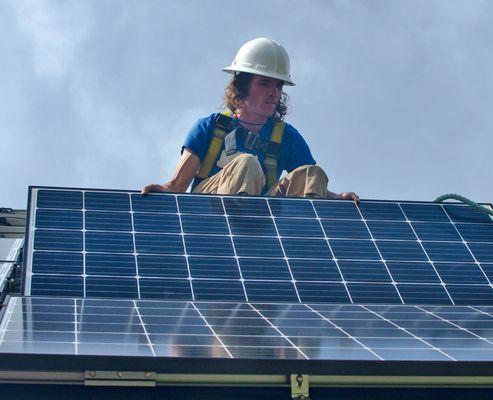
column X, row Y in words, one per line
column 264, row 57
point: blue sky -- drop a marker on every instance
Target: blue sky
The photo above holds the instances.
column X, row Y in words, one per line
column 395, row 98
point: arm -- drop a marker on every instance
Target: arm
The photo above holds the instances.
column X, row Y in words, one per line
column 184, row 173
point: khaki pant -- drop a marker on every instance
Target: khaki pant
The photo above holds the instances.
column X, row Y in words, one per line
column 244, row 175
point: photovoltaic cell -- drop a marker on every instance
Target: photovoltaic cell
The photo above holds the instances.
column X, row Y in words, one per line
column 436, row 231
column 159, row 266
column 440, row 251
column 252, row 226
column 345, row 229
column 401, row 251
column 315, row 270
column 265, row 269
column 58, row 240
column 381, row 211
column 413, row 272
column 330, row 210
column 59, row 199
column 364, row 271
column 109, row 264
column 476, row 232
column 59, row 219
column 391, row 230
column 203, row 224
column 425, row 212
column 293, row 209
column 459, row 213
column 106, row 201
column 461, row 273
column 92, row 243
column 297, row 227
column 158, row 223
column 354, row 249
column 48, row 262
column 423, row 294
column 107, row 221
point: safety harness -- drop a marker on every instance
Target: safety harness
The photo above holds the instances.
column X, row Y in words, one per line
column 224, row 125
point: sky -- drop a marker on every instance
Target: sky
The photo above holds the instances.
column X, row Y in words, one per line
column 394, row 97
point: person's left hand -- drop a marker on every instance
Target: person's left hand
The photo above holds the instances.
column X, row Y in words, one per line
column 348, row 196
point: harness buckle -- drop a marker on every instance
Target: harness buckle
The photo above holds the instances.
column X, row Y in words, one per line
column 224, row 122
column 252, row 141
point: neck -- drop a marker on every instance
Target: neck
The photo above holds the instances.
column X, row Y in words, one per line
column 255, row 120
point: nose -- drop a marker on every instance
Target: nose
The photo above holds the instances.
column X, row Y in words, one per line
column 275, row 91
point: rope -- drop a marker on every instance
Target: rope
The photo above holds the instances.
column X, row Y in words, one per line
column 463, row 199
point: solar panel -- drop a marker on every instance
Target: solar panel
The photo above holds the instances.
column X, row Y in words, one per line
column 10, row 249
column 256, row 285
column 115, row 244
column 9, row 253
column 295, row 331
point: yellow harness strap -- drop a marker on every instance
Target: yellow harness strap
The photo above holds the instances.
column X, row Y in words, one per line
column 270, row 160
column 213, row 150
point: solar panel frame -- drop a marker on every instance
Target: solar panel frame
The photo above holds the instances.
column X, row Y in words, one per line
column 243, row 243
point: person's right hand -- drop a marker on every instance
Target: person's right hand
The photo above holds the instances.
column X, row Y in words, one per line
column 153, row 187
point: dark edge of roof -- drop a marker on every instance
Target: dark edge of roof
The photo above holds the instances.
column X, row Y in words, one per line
column 78, row 363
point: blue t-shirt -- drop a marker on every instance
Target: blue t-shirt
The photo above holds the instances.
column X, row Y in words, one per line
column 294, row 150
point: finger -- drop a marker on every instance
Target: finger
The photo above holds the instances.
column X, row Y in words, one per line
column 146, row 189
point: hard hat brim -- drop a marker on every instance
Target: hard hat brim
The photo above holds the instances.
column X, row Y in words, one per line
column 234, row 69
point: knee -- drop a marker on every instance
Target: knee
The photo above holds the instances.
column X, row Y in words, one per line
column 311, row 170
column 249, row 162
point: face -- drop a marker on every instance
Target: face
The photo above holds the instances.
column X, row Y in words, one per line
column 263, row 96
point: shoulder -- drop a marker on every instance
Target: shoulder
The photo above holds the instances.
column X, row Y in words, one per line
column 206, row 122
column 291, row 133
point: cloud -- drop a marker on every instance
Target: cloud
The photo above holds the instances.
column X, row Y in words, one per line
column 394, row 97
column 55, row 30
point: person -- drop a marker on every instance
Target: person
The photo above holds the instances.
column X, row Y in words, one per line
column 245, row 150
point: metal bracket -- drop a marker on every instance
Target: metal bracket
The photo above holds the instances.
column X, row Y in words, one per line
column 299, row 387
column 120, row 378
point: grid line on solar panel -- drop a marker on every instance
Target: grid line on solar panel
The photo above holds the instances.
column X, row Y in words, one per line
column 134, row 245
column 279, row 331
column 144, row 328
column 76, row 329
column 331, row 251
column 284, row 252
column 212, row 330
column 84, row 253
column 428, row 258
column 345, row 332
column 467, row 245
column 235, row 254
column 382, row 259
column 185, row 250
column 448, row 321
column 409, row 332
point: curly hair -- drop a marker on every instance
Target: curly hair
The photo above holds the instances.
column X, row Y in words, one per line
column 237, row 91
